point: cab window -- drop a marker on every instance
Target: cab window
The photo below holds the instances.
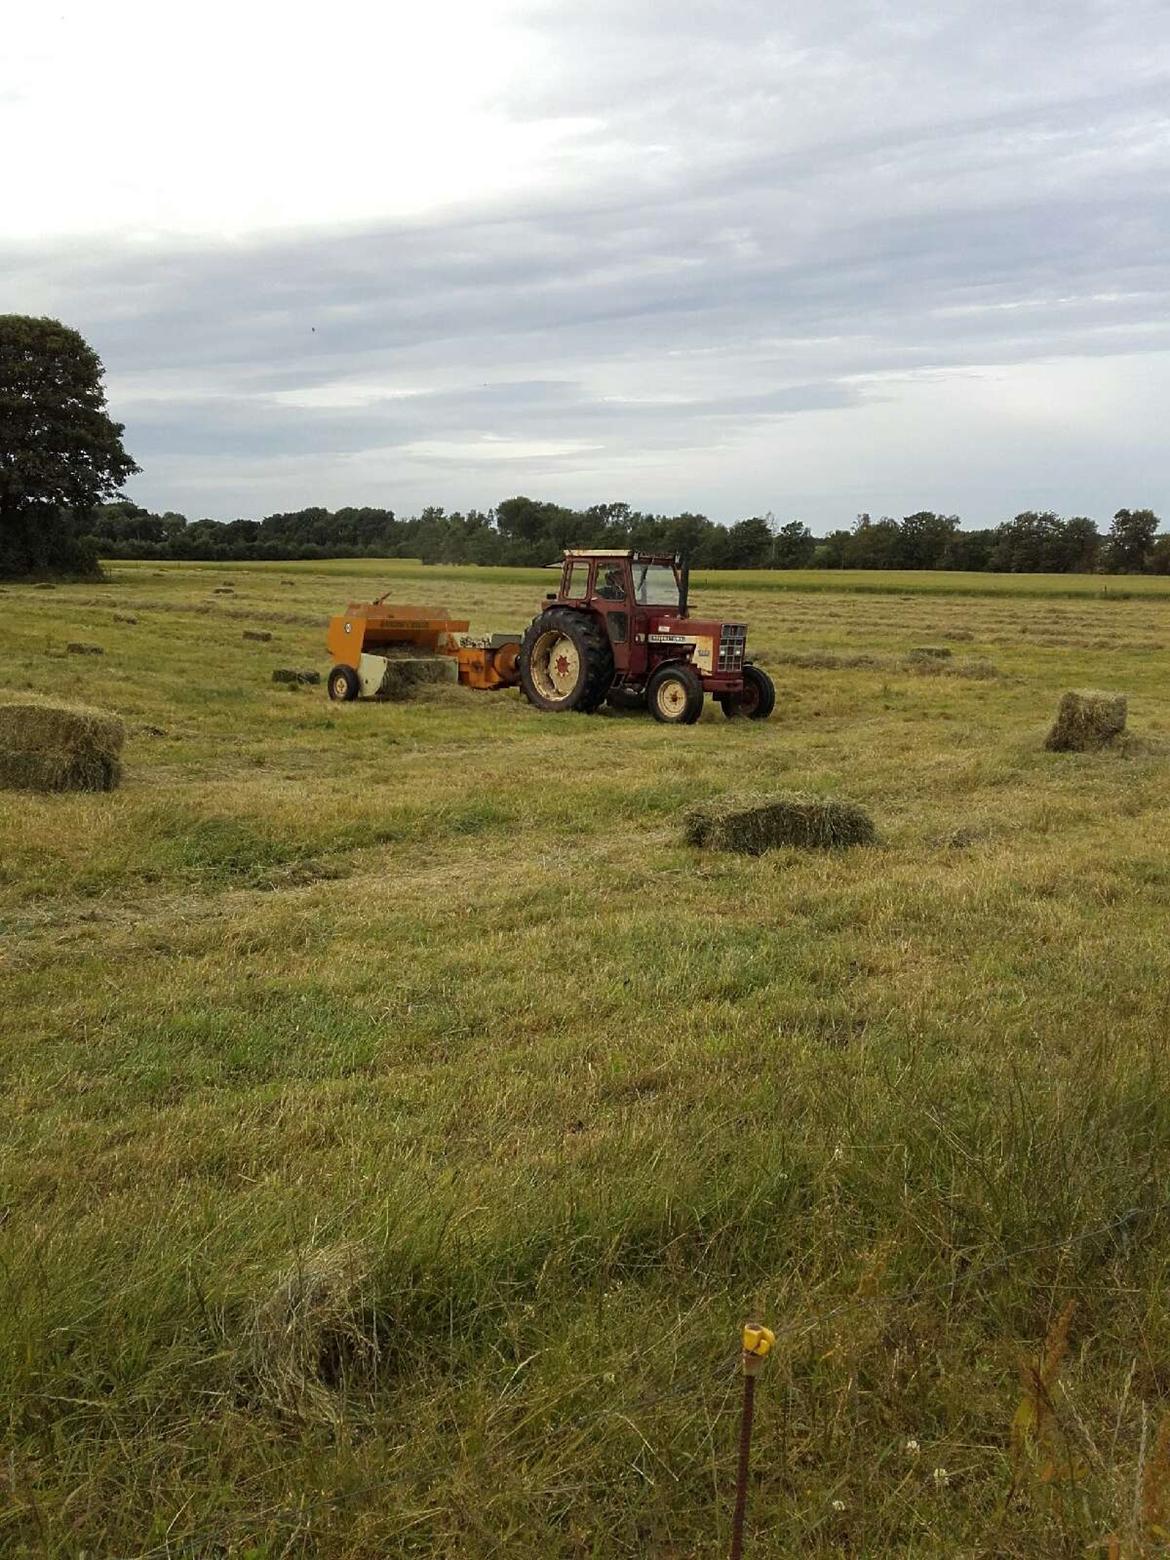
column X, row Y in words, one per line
column 611, row 581
column 656, row 586
column 577, row 580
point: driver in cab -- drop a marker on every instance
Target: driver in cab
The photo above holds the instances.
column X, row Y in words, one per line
column 613, row 586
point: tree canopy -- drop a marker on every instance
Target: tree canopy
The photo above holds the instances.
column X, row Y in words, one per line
column 534, row 531
column 61, row 455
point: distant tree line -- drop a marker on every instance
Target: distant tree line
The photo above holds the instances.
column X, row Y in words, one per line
column 63, row 466
column 526, row 531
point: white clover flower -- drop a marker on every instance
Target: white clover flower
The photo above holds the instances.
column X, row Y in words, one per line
column 912, row 1448
column 941, row 1476
column 838, row 1505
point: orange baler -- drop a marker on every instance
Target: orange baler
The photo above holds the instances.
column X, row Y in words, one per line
column 368, row 634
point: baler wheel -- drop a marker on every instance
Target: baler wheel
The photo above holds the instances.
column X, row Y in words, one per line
column 344, row 683
column 675, row 694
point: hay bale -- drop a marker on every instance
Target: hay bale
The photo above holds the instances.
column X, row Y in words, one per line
column 287, row 674
column 59, row 747
column 753, row 825
column 76, row 647
column 1087, row 721
column 260, row 635
column 406, row 676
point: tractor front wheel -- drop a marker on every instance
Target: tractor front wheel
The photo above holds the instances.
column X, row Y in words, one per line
column 566, row 661
column 675, row 695
column 344, row 683
column 756, row 702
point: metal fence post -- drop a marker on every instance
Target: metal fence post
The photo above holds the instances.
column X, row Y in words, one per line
column 757, row 1341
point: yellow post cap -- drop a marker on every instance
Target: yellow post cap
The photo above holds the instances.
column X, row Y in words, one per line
column 757, row 1339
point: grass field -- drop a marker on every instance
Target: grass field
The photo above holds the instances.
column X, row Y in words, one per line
column 400, row 1121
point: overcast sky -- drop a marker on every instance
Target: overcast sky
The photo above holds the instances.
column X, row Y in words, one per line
column 739, row 257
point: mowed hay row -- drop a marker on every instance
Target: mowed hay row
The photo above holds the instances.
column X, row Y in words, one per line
column 59, row 747
column 753, row 825
column 1087, row 721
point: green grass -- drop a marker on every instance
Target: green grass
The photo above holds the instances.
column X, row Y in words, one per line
column 401, row 1120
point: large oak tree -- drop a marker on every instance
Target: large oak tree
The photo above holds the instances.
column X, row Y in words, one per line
column 60, row 453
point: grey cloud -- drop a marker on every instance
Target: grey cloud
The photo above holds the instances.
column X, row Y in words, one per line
column 775, row 215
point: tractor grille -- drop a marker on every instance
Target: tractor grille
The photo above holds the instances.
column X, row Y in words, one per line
column 732, row 644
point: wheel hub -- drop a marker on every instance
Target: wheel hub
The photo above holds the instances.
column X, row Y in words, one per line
column 556, row 665
column 672, row 697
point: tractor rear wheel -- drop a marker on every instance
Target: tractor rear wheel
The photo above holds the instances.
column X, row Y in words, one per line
column 344, row 683
column 566, row 661
column 675, row 694
column 758, row 699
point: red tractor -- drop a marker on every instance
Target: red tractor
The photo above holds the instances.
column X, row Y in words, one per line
column 620, row 629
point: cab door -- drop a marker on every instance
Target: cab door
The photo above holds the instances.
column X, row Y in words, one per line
column 612, row 599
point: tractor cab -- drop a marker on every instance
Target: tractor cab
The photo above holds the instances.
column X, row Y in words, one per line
column 619, row 628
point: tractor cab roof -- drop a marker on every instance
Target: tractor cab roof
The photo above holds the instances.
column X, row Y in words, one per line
column 631, row 554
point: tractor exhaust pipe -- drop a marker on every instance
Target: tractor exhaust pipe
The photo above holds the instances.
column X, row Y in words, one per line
column 684, row 589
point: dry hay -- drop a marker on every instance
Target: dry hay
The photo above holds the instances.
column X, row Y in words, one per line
column 59, row 747
column 406, row 676
column 752, row 825
column 76, row 647
column 1087, row 721
column 261, row 635
column 124, row 617
column 287, row 674
column 926, row 662
column 822, row 660
column 974, row 668
column 310, row 1329
column 964, row 835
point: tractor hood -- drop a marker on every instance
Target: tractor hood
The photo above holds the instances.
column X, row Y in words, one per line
column 714, row 646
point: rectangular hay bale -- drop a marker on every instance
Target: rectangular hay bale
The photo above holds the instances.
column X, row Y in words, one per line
column 1087, row 721
column 59, row 747
column 752, row 825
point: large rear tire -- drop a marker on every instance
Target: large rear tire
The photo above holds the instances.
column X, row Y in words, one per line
column 566, row 661
column 344, row 683
column 675, row 694
column 756, row 702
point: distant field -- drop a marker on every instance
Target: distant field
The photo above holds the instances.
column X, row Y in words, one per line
column 401, row 1121
column 864, row 581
